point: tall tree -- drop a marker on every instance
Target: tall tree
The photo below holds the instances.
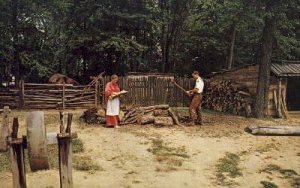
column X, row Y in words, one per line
column 261, row 103
column 275, row 18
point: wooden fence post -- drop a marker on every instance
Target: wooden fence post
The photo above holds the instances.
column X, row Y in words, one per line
column 61, row 119
column 21, row 94
column 96, row 94
column 4, row 129
column 63, row 96
column 279, row 98
column 65, row 156
column 17, row 157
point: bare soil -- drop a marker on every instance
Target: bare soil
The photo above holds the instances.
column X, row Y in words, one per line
column 218, row 154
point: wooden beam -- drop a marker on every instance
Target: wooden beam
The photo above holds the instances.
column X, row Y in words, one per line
column 21, row 94
column 4, row 129
column 279, row 99
column 63, row 96
column 17, row 158
column 275, row 130
column 65, row 155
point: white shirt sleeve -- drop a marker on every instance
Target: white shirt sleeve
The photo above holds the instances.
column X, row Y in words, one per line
column 199, row 85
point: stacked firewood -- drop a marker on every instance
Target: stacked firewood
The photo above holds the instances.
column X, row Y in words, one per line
column 226, row 96
column 159, row 115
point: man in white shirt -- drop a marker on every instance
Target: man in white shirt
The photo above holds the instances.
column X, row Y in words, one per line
column 195, row 106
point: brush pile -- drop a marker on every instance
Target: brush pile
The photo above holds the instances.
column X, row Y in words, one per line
column 226, row 96
column 159, row 115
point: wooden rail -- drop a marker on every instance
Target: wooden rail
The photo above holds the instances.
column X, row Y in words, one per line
column 143, row 91
column 49, row 96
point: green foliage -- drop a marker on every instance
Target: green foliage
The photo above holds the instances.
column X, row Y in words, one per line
column 77, row 145
column 267, row 184
column 228, row 167
column 85, row 163
column 83, row 38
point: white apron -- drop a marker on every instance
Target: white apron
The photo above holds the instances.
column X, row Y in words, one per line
column 113, row 107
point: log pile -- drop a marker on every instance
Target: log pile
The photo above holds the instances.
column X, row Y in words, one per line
column 226, row 96
column 159, row 115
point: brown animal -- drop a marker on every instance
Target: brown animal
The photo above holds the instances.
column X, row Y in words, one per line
column 60, row 79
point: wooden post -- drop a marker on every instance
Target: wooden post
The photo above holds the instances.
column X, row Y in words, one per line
column 61, row 118
column 17, row 157
column 63, row 95
column 96, row 94
column 279, row 99
column 21, row 94
column 65, row 156
column 4, row 129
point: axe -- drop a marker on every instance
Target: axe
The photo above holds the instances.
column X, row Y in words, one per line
column 178, row 86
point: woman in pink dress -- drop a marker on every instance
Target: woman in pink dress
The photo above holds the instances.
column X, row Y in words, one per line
column 113, row 104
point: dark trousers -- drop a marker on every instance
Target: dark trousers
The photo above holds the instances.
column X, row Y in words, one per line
column 195, row 109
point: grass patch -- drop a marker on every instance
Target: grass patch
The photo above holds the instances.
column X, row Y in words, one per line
column 227, row 168
column 51, row 118
column 287, row 173
column 170, row 157
column 162, row 149
column 267, row 148
column 77, row 145
column 5, row 164
column 136, row 181
column 85, row 163
column 268, row 184
column 53, row 156
column 296, row 182
column 291, row 175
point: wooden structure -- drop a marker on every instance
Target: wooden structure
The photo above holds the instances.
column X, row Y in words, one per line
column 50, row 96
column 65, row 154
column 17, row 157
column 144, row 90
column 153, row 89
column 275, row 130
column 36, row 142
column 281, row 74
column 4, row 129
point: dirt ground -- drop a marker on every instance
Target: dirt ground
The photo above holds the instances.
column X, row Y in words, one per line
column 218, row 154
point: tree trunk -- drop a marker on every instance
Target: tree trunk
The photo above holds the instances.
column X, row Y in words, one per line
column 15, row 40
column 162, row 5
column 274, row 130
column 231, row 53
column 261, row 103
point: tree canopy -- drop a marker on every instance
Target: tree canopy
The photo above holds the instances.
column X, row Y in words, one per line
column 85, row 37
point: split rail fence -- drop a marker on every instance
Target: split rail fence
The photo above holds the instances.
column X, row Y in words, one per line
column 143, row 91
column 49, row 96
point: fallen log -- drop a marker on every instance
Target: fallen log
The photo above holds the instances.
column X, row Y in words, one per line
column 145, row 119
column 155, row 107
column 274, row 130
column 163, row 121
column 174, row 116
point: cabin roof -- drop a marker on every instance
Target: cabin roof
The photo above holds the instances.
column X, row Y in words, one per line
column 283, row 69
column 286, row 69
